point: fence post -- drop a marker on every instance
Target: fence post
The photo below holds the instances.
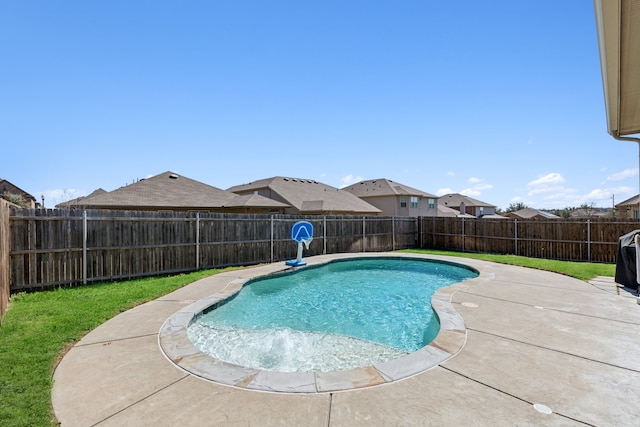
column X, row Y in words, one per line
column 5, row 259
column 393, row 233
column 588, row 240
column 84, row 247
column 197, row 240
column 271, row 238
column 462, row 234
column 515, row 221
column 364, row 236
column 324, row 235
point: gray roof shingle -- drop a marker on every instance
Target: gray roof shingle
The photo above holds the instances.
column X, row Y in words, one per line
column 308, row 196
column 169, row 190
column 385, row 187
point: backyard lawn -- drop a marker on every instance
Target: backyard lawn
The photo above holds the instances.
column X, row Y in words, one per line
column 39, row 326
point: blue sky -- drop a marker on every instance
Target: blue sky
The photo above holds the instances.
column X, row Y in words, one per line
column 500, row 100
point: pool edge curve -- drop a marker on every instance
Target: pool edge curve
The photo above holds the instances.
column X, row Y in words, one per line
column 180, row 351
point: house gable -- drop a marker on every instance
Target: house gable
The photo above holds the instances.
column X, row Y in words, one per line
column 307, row 196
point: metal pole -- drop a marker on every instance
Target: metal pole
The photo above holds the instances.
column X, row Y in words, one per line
column 272, row 239
column 462, row 234
column 588, row 240
column 515, row 220
column 363, row 235
column 84, row 247
column 324, row 235
column 197, row 240
column 393, row 233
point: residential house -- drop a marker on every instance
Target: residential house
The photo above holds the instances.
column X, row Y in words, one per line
column 77, row 202
column 468, row 205
column 628, row 209
column 530, row 213
column 307, row 196
column 395, row 199
column 445, row 211
column 16, row 195
column 169, row 191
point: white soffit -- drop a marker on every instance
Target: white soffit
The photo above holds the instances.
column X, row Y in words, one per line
column 618, row 26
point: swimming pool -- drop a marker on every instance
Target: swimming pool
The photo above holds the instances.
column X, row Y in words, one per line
column 334, row 317
column 178, row 348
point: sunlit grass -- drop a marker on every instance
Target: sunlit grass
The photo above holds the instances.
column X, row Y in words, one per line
column 579, row 270
column 38, row 327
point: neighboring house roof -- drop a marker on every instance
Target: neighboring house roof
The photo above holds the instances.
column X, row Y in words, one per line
column 630, row 201
column 170, row 191
column 451, row 212
column 454, row 200
column 384, row 187
column 78, row 200
column 308, row 196
column 493, row 216
column 254, row 201
column 8, row 187
column 528, row 213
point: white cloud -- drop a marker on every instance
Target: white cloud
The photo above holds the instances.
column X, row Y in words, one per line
column 598, row 194
column 602, row 194
column 545, row 190
column 477, row 188
column 470, row 192
column 627, row 173
column 451, row 173
column 350, row 179
column 443, row 191
column 550, row 178
column 53, row 197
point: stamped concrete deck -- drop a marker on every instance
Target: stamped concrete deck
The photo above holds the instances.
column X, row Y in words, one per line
column 539, row 349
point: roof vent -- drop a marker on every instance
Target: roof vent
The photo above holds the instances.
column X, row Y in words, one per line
column 173, row 176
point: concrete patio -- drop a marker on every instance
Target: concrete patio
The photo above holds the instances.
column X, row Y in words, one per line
column 540, row 349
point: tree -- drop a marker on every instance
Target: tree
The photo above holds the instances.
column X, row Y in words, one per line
column 16, row 199
column 513, row 207
column 588, row 208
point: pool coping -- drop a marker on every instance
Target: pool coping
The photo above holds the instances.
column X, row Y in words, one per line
column 178, row 348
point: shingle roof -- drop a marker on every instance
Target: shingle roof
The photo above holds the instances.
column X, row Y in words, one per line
column 630, row 201
column 254, row 201
column 454, row 200
column 169, row 190
column 79, row 200
column 444, row 211
column 528, row 213
column 308, row 196
column 384, row 187
column 12, row 188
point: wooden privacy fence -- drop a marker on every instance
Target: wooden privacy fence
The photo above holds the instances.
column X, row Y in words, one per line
column 4, row 257
column 70, row 247
column 569, row 240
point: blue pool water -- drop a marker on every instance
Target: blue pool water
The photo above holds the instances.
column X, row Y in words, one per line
column 337, row 316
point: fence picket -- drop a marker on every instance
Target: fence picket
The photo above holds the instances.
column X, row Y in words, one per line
column 66, row 247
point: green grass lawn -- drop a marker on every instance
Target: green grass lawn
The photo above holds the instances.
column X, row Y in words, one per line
column 39, row 326
column 579, row 270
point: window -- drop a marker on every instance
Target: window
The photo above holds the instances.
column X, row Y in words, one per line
column 403, row 201
column 432, row 203
column 481, row 211
column 414, row 202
